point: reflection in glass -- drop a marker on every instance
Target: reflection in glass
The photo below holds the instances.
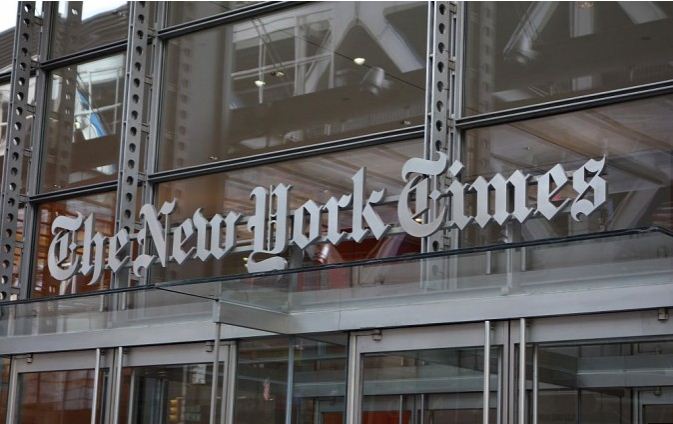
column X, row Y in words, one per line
column 167, row 394
column 58, row 397
column 7, row 27
column 261, row 381
column 435, row 385
column 185, row 11
column 83, row 125
column 102, row 206
column 82, row 25
column 319, row 380
column 635, row 137
column 522, row 53
column 604, row 383
column 5, row 94
column 290, row 79
column 316, row 178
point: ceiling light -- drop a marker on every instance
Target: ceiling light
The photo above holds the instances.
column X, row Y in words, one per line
column 260, row 83
column 359, row 61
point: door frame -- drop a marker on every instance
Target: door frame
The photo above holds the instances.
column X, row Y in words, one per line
column 480, row 334
column 115, row 359
column 572, row 330
column 95, row 359
column 176, row 354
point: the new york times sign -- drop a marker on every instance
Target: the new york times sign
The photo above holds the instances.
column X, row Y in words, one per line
column 77, row 249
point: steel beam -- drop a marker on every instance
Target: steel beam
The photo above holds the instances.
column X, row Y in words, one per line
column 18, row 139
column 132, row 124
column 439, row 97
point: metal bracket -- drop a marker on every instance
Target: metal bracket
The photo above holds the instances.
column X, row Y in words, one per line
column 17, row 137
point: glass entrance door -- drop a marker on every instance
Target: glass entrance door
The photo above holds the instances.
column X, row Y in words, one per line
column 58, row 388
column 183, row 383
column 434, row 375
column 172, row 384
column 604, row 369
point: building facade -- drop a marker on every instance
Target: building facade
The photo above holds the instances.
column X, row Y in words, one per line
column 336, row 212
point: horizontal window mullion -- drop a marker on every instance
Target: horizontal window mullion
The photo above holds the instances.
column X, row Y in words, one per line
column 566, row 105
column 280, row 156
column 73, row 192
column 234, row 15
column 84, row 55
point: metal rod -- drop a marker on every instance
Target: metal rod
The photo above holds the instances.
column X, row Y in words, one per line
column 117, row 385
column 536, row 383
column 226, row 376
column 422, row 409
column 132, row 393
column 231, row 385
column 94, row 400
column 498, row 403
column 216, row 363
column 400, row 410
column 353, row 383
column 522, row 370
column 487, row 370
column 290, row 381
column 13, row 391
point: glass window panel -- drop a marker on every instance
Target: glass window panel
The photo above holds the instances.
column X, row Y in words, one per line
column 316, row 178
column 635, row 137
column 319, row 382
column 58, row 397
column 434, row 385
column 83, row 124
column 185, row 11
column 289, row 79
column 261, row 381
column 5, row 93
column 103, row 207
column 604, row 383
column 522, row 53
column 84, row 25
column 7, row 27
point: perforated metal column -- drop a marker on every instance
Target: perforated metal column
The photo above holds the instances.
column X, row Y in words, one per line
column 132, row 125
column 439, row 94
column 25, row 45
